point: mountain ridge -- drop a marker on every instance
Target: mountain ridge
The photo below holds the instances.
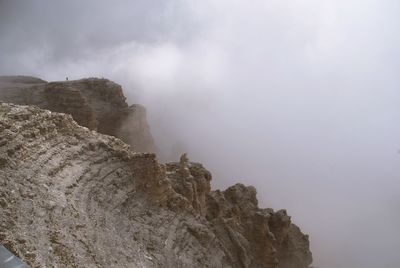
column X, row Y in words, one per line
column 96, row 103
column 85, row 199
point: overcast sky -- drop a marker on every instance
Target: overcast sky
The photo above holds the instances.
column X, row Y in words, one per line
column 299, row 98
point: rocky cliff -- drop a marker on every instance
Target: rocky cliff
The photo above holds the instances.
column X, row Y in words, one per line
column 72, row 197
column 97, row 104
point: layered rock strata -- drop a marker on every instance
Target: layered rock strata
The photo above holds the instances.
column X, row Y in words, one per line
column 71, row 197
column 97, row 104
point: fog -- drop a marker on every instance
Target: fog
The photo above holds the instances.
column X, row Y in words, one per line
column 298, row 98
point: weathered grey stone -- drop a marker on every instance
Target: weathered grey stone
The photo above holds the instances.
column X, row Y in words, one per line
column 71, row 197
column 97, row 104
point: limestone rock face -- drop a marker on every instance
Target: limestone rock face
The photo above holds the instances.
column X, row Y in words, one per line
column 97, row 104
column 71, row 197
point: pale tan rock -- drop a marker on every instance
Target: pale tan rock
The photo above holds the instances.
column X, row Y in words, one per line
column 71, row 197
column 97, row 104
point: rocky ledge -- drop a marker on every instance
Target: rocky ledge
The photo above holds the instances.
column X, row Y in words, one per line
column 98, row 104
column 72, row 197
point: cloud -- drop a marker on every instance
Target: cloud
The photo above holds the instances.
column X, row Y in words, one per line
column 299, row 98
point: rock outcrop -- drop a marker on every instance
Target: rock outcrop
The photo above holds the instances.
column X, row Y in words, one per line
column 72, row 197
column 97, row 104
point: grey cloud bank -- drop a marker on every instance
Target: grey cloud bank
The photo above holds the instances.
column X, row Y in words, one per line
column 299, row 98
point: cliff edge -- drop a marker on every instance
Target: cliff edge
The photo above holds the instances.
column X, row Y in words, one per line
column 73, row 197
column 98, row 104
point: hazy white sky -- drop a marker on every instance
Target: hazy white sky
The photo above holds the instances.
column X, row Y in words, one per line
column 299, row 98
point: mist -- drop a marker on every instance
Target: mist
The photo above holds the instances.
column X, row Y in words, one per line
column 298, row 98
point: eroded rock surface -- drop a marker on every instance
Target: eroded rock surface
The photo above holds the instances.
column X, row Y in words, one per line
column 98, row 104
column 71, row 197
